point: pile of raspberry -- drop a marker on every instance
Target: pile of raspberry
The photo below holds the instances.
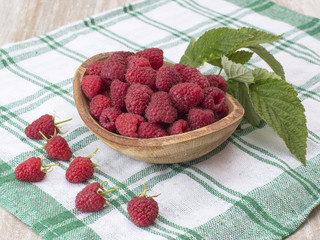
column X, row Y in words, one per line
column 137, row 95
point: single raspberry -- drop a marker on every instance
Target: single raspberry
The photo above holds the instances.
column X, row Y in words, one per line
column 160, row 108
column 108, row 118
column 224, row 110
column 193, row 75
column 185, row 96
column 45, row 124
column 167, row 76
column 154, row 55
column 123, row 54
column 31, row 170
column 179, row 67
column 199, row 117
column 138, row 98
column 127, row 124
column 97, row 104
column 95, row 68
column 151, row 130
column 115, row 67
column 214, row 99
column 134, row 61
column 91, row 85
column 118, row 92
column 81, row 169
column 143, row 210
column 57, row 148
column 91, row 198
column 143, row 75
column 179, row 126
column 217, row 81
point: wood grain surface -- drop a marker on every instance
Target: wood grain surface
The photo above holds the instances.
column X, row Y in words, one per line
column 21, row 20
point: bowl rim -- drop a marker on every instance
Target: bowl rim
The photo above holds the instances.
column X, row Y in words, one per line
column 236, row 112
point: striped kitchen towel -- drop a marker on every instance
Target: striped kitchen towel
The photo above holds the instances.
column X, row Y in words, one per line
column 250, row 187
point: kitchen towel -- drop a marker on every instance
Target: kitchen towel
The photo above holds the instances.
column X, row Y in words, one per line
column 250, row 187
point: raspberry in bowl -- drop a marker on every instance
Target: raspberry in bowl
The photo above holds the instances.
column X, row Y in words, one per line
column 152, row 110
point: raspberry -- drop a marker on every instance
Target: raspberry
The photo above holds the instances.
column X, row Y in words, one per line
column 178, row 127
column 198, row 118
column 160, row 109
column 91, row 198
column 57, row 148
column 80, row 169
column 95, row 68
column 217, row 81
column 179, row 67
column 224, row 110
column 214, row 99
column 193, row 75
column 167, row 76
column 127, row 124
column 138, row 98
column 143, row 210
column 97, row 104
column 115, row 67
column 185, row 96
column 118, row 92
column 45, row 124
column 143, row 75
column 154, row 55
column 124, row 54
column 151, row 130
column 108, row 118
column 134, row 61
column 91, row 85
column 31, row 170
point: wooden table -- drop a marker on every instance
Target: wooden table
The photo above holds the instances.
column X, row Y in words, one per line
column 21, row 20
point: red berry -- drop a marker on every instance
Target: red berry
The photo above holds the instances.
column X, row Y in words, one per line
column 108, row 118
column 154, row 55
column 151, row 130
column 193, row 75
column 135, row 61
column 167, row 76
column 160, row 109
column 57, row 148
column 138, row 98
column 217, row 81
column 178, row 127
column 143, row 75
column 214, row 99
column 198, row 118
column 97, row 104
column 184, row 96
column 91, row 85
column 80, row 169
column 115, row 67
column 90, row 198
column 44, row 124
column 143, row 210
column 31, row 170
column 179, row 67
column 118, row 92
column 95, row 68
column 127, row 124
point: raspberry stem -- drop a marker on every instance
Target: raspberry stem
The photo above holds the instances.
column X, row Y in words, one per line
column 46, row 168
column 103, row 192
column 44, row 136
column 144, row 193
column 91, row 155
column 63, row 121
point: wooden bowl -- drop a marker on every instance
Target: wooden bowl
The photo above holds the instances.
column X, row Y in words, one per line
column 164, row 150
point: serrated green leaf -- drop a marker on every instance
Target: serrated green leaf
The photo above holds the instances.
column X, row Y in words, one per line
column 211, row 45
column 240, row 92
column 277, row 104
column 257, row 37
column 236, row 71
column 261, row 73
column 269, row 59
column 241, row 57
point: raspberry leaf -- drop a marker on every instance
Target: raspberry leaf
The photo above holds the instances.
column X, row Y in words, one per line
column 276, row 102
column 241, row 57
column 261, row 73
column 236, row 71
column 240, row 91
column 212, row 45
column 269, row 59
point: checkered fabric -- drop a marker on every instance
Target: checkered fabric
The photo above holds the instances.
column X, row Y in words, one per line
column 250, row 187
